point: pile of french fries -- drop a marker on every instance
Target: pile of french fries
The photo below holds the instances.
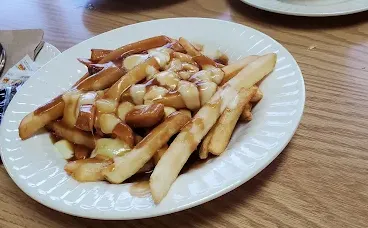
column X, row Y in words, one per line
column 146, row 107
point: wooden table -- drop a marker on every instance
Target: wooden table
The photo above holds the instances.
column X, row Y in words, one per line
column 320, row 179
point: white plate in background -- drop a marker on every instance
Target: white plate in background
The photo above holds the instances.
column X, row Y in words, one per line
column 312, row 8
column 37, row 168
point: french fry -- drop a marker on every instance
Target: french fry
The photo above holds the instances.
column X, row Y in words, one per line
column 36, row 120
column 234, row 68
column 145, row 116
column 204, row 150
column 125, row 133
column 182, row 147
column 133, row 76
column 246, row 114
column 126, row 166
column 160, row 152
column 137, row 47
column 102, row 79
column 72, row 134
column 225, row 125
column 188, row 47
column 191, row 135
column 174, row 100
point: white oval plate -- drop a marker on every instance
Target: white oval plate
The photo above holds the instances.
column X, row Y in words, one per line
column 312, row 8
column 37, row 168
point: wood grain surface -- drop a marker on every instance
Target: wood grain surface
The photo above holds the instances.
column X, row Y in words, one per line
column 320, row 179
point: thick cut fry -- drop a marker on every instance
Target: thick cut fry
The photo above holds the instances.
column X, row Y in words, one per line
column 72, row 134
column 189, row 138
column 203, row 150
column 102, row 79
column 225, row 125
column 157, row 156
column 36, row 120
column 246, row 114
column 188, row 47
column 126, row 166
column 173, row 100
column 137, row 47
column 135, row 75
column 234, row 68
column 145, row 116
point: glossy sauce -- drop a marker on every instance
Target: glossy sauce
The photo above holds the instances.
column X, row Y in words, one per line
column 145, row 116
column 56, row 102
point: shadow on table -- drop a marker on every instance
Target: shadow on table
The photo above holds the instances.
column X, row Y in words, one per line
column 296, row 22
